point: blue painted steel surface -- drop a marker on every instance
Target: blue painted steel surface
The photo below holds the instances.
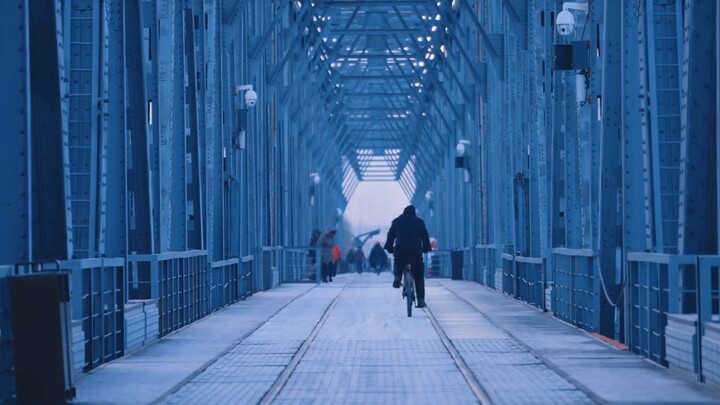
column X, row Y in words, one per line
column 696, row 233
column 140, row 232
column 114, row 225
column 85, row 48
column 52, row 237
column 15, row 151
column 664, row 24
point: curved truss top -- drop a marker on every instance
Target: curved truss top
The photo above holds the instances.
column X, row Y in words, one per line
column 377, row 65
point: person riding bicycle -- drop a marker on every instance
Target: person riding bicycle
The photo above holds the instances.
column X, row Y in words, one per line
column 407, row 240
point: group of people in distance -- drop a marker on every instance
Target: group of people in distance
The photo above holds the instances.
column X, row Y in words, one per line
column 407, row 240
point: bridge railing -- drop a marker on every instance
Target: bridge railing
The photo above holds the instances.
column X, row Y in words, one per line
column 440, row 266
column 487, row 263
column 225, row 282
column 180, row 281
column 97, row 298
column 649, row 300
column 575, row 289
column 673, row 308
column 231, row 280
column 297, row 266
column 524, row 278
column 247, row 276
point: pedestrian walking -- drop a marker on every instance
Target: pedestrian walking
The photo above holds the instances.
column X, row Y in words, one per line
column 326, row 243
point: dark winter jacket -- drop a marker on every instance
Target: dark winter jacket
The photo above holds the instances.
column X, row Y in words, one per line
column 326, row 243
column 377, row 257
column 407, row 238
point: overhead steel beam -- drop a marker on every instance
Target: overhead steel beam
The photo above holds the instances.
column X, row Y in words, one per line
column 372, row 31
column 355, row 3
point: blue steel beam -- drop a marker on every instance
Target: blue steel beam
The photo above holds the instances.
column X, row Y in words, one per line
column 610, row 174
column 664, row 56
column 633, row 192
column 51, row 217
column 697, row 160
column 152, row 38
column 86, row 55
column 140, row 232
column 115, row 157
column 494, row 42
column 169, row 126
column 195, row 217
column 634, row 224
column 16, row 151
column 214, row 158
column 457, row 44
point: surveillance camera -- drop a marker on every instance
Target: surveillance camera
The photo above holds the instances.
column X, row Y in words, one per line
column 565, row 23
column 251, row 98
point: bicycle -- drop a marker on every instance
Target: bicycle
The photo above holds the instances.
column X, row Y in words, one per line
column 408, row 290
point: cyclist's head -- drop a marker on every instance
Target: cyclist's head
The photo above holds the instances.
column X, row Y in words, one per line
column 410, row 209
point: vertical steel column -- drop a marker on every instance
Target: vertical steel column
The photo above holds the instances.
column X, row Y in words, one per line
column 541, row 41
column 178, row 132
column 139, row 109
column 231, row 100
column 633, row 197
column 116, row 198
column 558, row 181
column 664, row 56
column 537, row 58
column 609, row 175
column 200, row 90
column 697, row 223
column 194, row 215
column 572, row 175
column 52, row 215
column 170, row 128
column 83, row 56
column 153, row 43
column 213, row 136
column 100, row 182
column 16, row 156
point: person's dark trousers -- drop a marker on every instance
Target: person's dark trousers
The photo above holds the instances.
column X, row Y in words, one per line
column 325, row 271
column 418, row 276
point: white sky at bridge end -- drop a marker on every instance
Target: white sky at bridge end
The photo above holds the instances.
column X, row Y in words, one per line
column 374, row 205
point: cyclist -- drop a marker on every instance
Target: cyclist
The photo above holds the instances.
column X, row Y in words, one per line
column 407, row 240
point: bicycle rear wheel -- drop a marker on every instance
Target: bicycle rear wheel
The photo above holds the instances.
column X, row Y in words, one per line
column 409, row 292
